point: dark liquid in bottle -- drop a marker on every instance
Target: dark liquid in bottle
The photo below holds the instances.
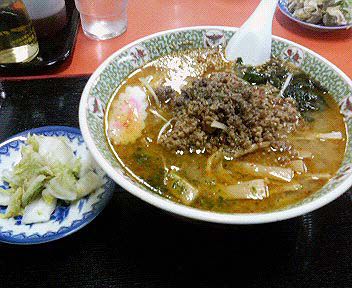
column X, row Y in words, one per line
column 56, row 23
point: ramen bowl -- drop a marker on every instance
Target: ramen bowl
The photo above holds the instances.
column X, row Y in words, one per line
column 106, row 79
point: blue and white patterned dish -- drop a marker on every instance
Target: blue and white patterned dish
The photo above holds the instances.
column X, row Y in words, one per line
column 66, row 219
column 283, row 7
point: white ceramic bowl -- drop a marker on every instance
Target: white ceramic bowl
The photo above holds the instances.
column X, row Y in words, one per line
column 108, row 76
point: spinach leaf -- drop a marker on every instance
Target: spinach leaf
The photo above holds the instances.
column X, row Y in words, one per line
column 307, row 92
column 254, row 77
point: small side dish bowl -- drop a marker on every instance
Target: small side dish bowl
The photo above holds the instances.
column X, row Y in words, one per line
column 104, row 82
column 66, row 219
column 315, row 27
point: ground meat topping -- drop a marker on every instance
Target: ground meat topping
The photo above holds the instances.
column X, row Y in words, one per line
column 252, row 115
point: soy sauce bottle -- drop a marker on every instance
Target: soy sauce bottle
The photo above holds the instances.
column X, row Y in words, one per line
column 48, row 16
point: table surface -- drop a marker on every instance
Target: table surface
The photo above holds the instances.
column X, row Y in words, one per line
column 150, row 16
column 132, row 244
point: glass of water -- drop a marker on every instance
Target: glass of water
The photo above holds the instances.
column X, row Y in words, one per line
column 103, row 19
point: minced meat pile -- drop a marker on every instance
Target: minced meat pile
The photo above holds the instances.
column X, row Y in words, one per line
column 252, row 114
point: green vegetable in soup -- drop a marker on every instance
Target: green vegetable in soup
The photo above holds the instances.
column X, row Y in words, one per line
column 252, row 76
column 308, row 93
column 141, row 157
column 181, row 188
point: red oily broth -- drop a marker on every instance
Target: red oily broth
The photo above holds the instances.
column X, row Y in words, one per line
column 148, row 162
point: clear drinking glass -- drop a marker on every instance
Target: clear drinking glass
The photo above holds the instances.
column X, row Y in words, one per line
column 103, row 19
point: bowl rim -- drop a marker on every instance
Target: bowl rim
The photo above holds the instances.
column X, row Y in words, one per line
column 189, row 212
column 283, row 8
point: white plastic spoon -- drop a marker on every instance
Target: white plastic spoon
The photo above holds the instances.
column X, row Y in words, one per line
column 252, row 42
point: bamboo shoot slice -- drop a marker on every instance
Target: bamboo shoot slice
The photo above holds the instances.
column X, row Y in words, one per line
column 298, row 166
column 305, row 155
column 321, row 136
column 318, row 176
column 254, row 189
column 258, row 170
column 291, row 187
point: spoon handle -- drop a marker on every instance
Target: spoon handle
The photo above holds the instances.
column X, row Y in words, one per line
column 263, row 14
column 252, row 42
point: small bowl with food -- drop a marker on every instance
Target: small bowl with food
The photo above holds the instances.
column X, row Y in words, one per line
column 320, row 15
column 177, row 125
column 50, row 185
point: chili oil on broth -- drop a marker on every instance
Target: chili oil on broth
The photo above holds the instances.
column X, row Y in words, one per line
column 145, row 160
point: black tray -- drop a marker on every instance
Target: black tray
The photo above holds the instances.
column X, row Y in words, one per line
column 53, row 52
column 132, row 244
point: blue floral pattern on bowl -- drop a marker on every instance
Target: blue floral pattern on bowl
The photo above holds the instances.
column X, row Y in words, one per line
column 66, row 218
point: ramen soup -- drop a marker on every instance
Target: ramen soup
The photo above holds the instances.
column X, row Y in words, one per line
column 226, row 137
